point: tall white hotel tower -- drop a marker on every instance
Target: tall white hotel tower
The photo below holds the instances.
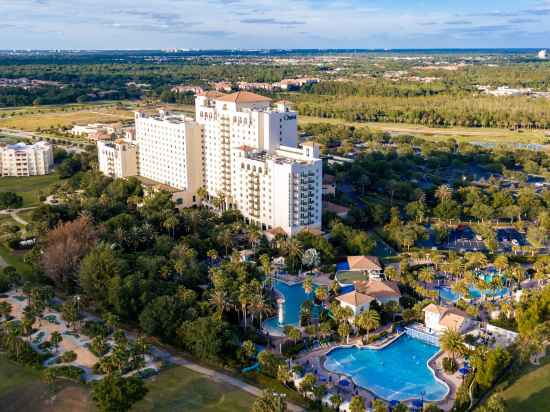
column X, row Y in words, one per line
column 241, row 149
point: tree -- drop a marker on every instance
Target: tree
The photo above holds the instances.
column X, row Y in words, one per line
column 379, row 406
column 283, row 374
column 344, row 329
column 336, row 400
column 96, row 270
column 161, row 317
column 219, row 300
column 293, row 333
column 357, row 404
column 368, row 320
column 308, row 383
column 65, row 246
column 70, row 311
column 10, row 200
column 249, row 349
column 452, row 341
column 117, row 394
column 56, row 339
column 294, row 250
column 270, row 402
column 5, row 309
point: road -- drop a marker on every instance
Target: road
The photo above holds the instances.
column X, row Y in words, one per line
column 13, row 213
column 21, row 134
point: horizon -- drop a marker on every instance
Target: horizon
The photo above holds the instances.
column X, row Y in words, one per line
column 248, row 24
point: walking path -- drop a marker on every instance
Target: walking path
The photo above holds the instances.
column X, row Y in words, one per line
column 215, row 375
column 14, row 214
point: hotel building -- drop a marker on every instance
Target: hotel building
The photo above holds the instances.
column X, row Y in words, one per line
column 117, row 159
column 242, row 150
column 26, row 160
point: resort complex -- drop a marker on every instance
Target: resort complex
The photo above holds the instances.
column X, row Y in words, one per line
column 242, row 151
column 369, row 233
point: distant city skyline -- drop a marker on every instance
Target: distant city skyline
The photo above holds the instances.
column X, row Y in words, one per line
column 225, row 24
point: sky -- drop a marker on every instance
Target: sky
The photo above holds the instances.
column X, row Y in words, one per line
column 255, row 24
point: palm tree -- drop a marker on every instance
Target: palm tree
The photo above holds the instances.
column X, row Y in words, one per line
column 202, row 194
column 212, row 255
column 55, row 339
column 336, row 400
column 443, row 192
column 294, row 249
column 308, row 285
column 226, row 240
column 453, row 342
column 321, row 294
column 218, row 299
column 244, row 300
column 344, row 329
column 259, row 305
column 368, row 320
column 254, row 236
column 426, row 275
column 293, row 333
column 170, row 222
column 283, row 374
column 5, row 309
column 501, row 263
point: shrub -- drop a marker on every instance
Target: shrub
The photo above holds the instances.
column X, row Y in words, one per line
column 93, row 328
column 67, row 357
column 69, row 372
column 450, row 365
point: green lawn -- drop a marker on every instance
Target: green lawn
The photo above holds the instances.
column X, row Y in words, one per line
column 28, row 187
column 531, row 392
column 346, row 277
column 181, row 389
column 15, row 260
column 22, row 389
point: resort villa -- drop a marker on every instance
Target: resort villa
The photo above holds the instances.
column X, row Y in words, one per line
column 440, row 318
column 365, row 292
column 369, row 265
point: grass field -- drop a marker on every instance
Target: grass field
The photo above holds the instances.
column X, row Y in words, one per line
column 180, row 389
column 22, row 389
column 531, row 392
column 28, row 187
column 461, row 134
column 34, row 121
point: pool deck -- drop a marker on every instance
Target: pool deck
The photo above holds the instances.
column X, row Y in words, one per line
column 316, row 359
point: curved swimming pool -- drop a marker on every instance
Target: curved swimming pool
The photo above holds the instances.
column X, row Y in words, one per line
column 294, row 296
column 399, row 371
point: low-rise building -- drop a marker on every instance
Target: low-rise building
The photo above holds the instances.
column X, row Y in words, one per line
column 369, row 264
column 21, row 159
column 356, row 301
column 438, row 319
column 338, row 210
column 383, row 291
column 117, row 159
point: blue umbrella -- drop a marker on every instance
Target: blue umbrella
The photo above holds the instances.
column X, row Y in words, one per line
column 464, row 370
column 344, row 382
column 417, row 403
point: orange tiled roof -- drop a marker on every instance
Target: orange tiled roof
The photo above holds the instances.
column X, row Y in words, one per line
column 243, row 97
column 355, row 298
column 364, row 263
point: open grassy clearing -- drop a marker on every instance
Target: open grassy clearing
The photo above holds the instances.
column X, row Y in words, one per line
column 28, row 187
column 22, row 389
column 181, row 389
column 531, row 392
column 461, row 134
column 35, row 121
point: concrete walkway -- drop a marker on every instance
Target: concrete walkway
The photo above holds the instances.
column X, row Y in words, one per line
column 215, row 375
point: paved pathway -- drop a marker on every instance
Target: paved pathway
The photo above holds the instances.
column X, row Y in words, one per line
column 215, row 375
column 14, row 214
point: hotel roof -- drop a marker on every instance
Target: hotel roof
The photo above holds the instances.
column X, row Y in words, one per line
column 355, row 298
column 452, row 318
column 378, row 288
column 243, row 97
column 364, row 263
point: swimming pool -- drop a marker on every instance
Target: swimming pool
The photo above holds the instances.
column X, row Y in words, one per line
column 294, row 296
column 397, row 372
column 448, row 295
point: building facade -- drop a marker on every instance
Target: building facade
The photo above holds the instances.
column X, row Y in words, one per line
column 26, row 160
column 242, row 150
column 117, row 159
column 169, row 150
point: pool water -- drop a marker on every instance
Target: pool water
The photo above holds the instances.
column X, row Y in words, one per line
column 448, row 295
column 294, row 297
column 397, row 372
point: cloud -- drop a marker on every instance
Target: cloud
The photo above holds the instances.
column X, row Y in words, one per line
column 458, row 22
column 270, row 20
